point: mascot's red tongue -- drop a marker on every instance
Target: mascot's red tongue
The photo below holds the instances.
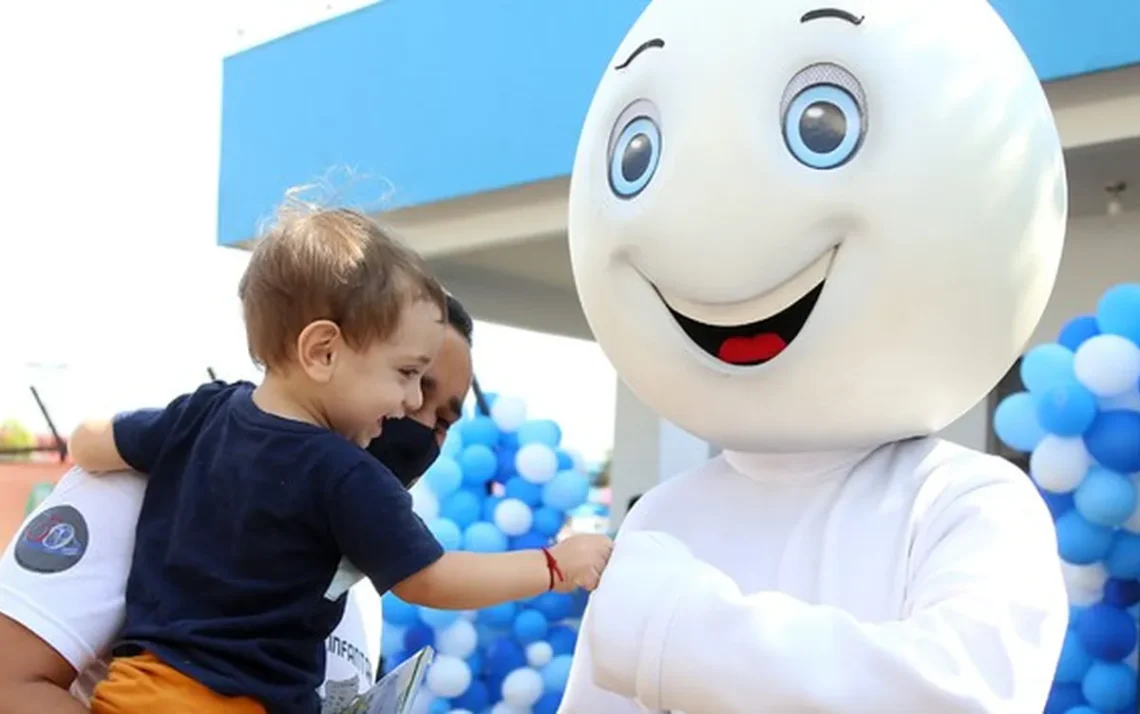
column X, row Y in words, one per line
column 751, row 350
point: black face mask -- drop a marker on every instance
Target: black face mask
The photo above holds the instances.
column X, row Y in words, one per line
column 407, row 448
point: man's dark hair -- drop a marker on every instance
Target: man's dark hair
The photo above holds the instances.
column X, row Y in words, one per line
column 459, row 318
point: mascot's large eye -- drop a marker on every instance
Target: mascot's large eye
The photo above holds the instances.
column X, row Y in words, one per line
column 634, row 154
column 824, row 116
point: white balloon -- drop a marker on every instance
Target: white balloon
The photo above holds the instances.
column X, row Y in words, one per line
column 1108, row 365
column 461, row 711
column 522, row 688
column 1129, row 401
column 1059, row 464
column 470, row 615
column 448, row 677
column 536, row 463
column 513, row 517
column 424, row 502
column 457, row 639
column 505, row 708
column 508, row 413
column 539, row 654
column 1084, row 583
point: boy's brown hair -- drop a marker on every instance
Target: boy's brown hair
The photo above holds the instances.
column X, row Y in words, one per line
column 328, row 264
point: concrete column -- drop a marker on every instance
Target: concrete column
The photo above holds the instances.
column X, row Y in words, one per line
column 647, row 450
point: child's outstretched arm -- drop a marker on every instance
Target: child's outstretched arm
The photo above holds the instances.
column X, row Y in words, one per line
column 468, row 581
column 92, row 446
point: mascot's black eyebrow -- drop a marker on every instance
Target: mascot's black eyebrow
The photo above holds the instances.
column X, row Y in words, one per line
column 832, row 12
column 655, row 43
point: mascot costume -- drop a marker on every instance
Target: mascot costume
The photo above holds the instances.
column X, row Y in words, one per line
column 815, row 236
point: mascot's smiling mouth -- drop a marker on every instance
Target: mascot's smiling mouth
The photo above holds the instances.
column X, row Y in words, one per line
column 747, row 343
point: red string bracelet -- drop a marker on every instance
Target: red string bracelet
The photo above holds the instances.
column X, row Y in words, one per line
column 552, row 566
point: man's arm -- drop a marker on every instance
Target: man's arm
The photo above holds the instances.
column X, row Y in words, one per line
column 34, row 678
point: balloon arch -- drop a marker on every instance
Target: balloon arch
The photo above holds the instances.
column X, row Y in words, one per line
column 503, row 482
column 1079, row 419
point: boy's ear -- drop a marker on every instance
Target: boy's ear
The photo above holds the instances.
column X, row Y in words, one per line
column 317, row 348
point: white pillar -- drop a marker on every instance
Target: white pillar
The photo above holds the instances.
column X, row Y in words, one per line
column 647, row 450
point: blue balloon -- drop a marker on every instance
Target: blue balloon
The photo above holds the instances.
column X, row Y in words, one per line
column 1107, row 633
column 1110, row 686
column 1065, row 408
column 417, row 637
column 508, row 441
column 1046, row 365
column 392, row 639
column 547, row 704
column 539, row 431
column 479, row 464
column 1015, row 422
column 1075, row 660
column 397, row 612
column 1075, row 612
column 565, row 460
column 530, row 626
column 439, row 706
column 444, row 476
column 462, row 507
column 452, row 444
column 1077, row 331
column 1121, row 593
column 556, row 673
column 438, row 619
column 566, row 491
column 548, row 521
column 503, row 656
column 475, row 699
column 397, row 659
column 581, row 599
column 1118, row 312
column 484, row 537
column 1105, row 498
column 475, row 662
column 489, row 506
column 501, row 615
column 562, row 639
column 1112, row 440
column 554, row 606
column 479, row 430
column 1080, row 542
column 1063, row 698
column 447, row 533
column 1123, row 559
column 530, row 540
column 1058, row 503
column 525, row 491
column 506, row 469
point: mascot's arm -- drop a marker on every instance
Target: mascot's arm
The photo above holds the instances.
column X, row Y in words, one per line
column 986, row 618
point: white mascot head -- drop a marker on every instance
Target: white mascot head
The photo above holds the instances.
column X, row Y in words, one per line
column 799, row 227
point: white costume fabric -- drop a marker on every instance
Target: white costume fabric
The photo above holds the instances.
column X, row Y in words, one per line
column 815, row 236
column 64, row 576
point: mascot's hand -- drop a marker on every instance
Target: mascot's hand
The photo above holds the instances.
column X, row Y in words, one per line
column 644, row 565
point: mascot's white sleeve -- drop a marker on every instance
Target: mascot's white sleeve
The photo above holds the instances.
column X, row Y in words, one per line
column 982, row 629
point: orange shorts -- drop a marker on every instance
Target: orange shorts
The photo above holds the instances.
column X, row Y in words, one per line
column 144, row 685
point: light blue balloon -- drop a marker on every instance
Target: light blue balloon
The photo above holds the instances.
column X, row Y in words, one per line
column 1123, row 559
column 1105, row 498
column 439, row 706
column 438, row 619
column 397, row 612
column 1015, row 422
column 556, row 673
column 392, row 639
column 484, row 537
column 1075, row 660
column 530, row 626
column 540, row 431
column 452, row 444
column 1080, row 542
column 479, row 430
column 548, row 521
column 566, row 491
column 444, row 477
column 1110, row 686
column 447, row 533
column 479, row 463
column 1065, row 408
column 463, row 507
column 1118, row 312
column 1046, row 365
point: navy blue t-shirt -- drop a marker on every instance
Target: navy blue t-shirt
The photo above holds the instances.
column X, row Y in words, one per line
column 245, row 520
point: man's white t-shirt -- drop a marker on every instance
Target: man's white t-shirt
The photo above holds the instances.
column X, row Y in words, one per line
column 64, row 577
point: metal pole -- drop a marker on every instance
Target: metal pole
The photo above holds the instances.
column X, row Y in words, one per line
column 60, row 444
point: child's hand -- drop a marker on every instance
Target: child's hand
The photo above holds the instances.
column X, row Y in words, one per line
column 581, row 558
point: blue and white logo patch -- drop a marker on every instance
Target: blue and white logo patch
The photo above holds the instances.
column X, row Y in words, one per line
column 53, row 541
